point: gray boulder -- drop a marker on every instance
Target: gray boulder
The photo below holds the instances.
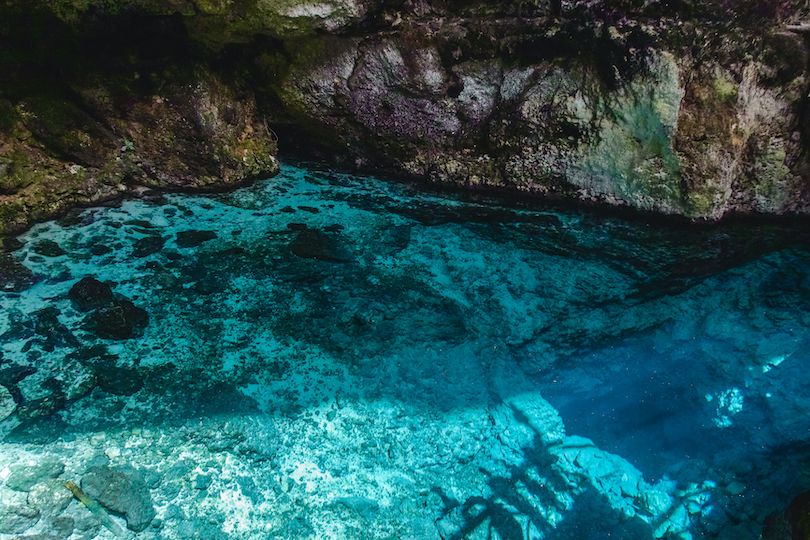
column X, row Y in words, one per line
column 121, row 490
column 18, row 518
column 25, row 477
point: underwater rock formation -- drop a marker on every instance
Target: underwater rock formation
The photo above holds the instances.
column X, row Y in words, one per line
column 110, row 316
column 687, row 108
column 121, row 490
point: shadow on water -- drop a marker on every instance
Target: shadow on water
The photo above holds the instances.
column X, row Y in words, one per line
column 536, row 499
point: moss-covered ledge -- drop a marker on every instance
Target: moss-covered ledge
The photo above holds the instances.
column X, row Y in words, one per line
column 94, row 111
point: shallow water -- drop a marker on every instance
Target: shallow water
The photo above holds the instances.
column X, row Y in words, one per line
column 340, row 357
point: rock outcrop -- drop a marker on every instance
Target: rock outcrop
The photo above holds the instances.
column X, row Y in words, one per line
column 687, row 108
column 96, row 103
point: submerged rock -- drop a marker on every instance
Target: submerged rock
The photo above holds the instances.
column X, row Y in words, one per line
column 313, row 244
column 90, row 293
column 10, row 244
column 121, row 490
column 194, row 238
column 49, row 497
column 25, row 477
column 43, row 406
column 147, row 245
column 18, row 518
column 118, row 321
column 13, row 275
column 118, row 380
column 49, row 248
column 111, row 316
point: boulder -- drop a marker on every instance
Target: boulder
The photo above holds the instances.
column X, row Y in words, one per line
column 90, row 293
column 121, row 490
column 13, row 275
column 111, row 316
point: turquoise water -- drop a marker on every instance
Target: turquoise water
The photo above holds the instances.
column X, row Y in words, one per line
column 331, row 356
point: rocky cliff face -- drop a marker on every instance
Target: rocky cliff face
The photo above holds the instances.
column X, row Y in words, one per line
column 686, row 108
column 96, row 105
column 675, row 109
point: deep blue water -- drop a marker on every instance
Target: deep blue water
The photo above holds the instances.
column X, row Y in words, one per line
column 329, row 356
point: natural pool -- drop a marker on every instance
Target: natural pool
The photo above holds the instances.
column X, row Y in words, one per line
column 329, row 356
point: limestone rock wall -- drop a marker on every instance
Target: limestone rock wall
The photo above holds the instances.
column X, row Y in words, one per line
column 691, row 116
column 686, row 108
column 91, row 110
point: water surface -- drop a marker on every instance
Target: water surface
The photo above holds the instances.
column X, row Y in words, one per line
column 331, row 356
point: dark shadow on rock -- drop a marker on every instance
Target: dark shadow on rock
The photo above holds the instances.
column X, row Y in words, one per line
column 41, row 430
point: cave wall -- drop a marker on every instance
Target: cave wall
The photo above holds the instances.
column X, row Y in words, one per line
column 687, row 108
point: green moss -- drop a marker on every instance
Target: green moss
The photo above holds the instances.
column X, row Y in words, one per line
column 12, row 214
column 704, row 203
column 15, row 172
column 726, row 89
column 8, row 117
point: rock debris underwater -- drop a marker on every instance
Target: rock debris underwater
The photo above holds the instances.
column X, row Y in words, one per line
column 332, row 356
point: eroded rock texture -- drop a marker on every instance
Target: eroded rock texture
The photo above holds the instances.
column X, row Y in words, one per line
column 689, row 108
column 97, row 102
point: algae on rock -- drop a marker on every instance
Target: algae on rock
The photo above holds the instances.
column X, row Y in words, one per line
column 693, row 110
